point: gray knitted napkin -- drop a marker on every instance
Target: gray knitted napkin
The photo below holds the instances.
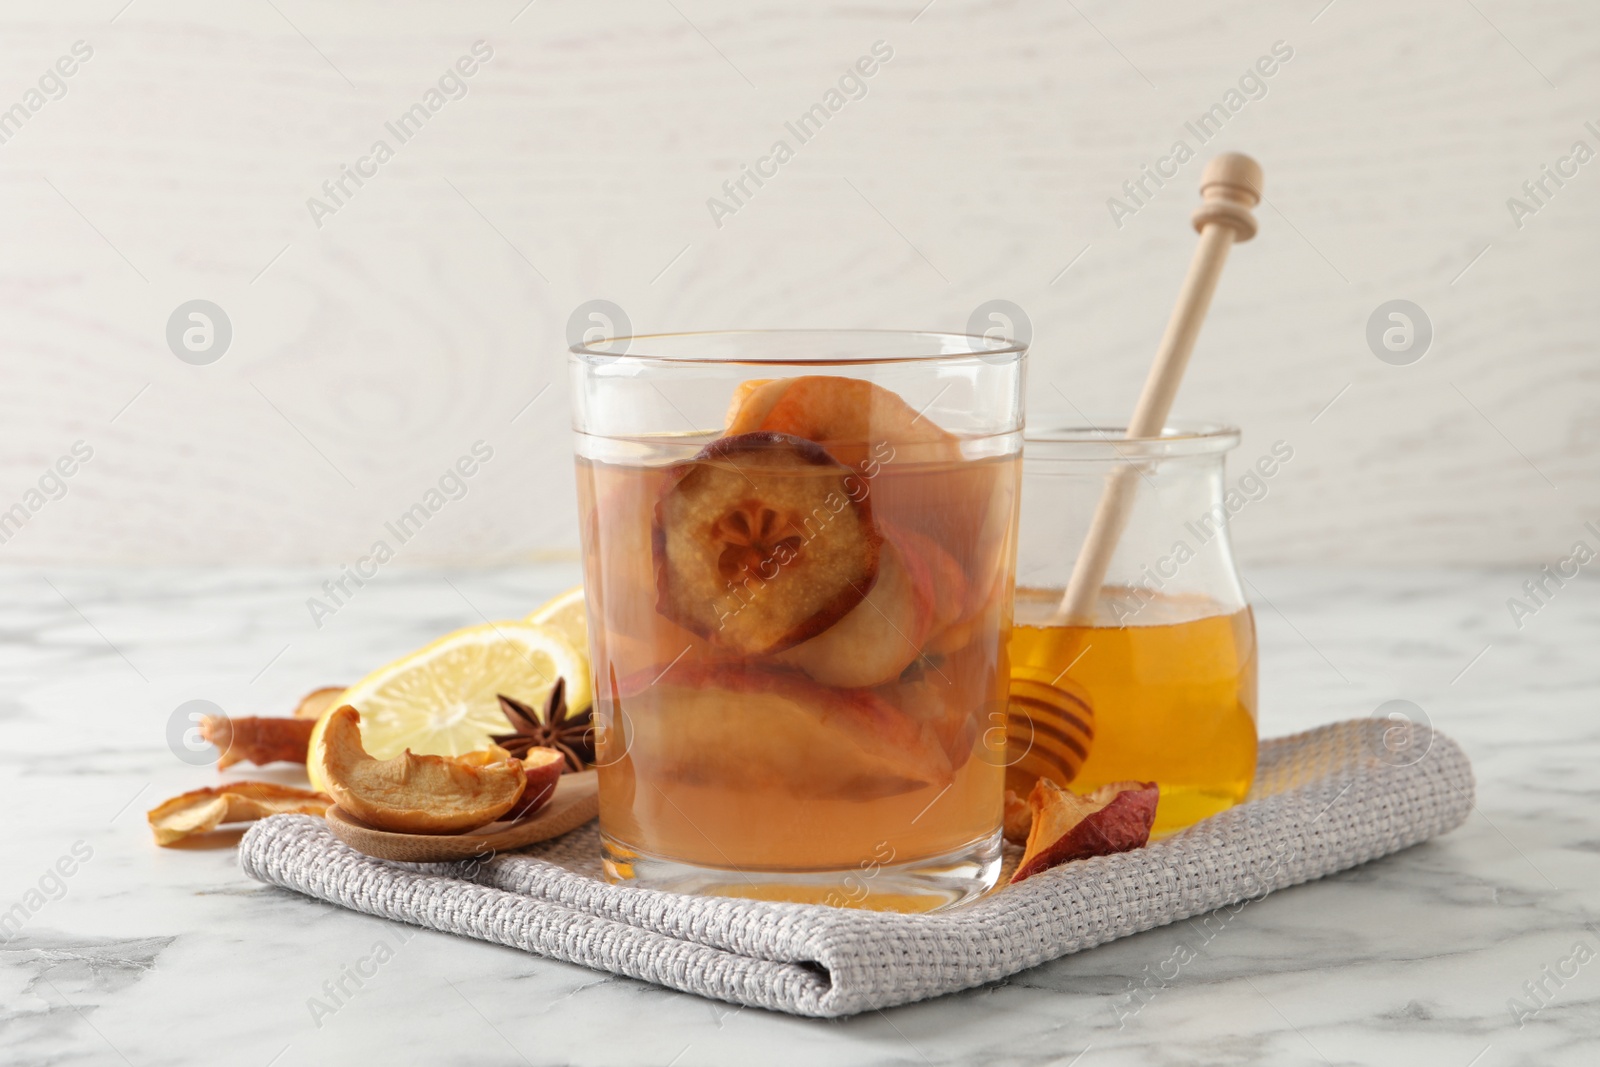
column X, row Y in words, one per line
column 1323, row 801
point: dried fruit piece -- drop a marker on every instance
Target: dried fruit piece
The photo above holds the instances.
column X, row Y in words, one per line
column 1114, row 818
column 543, row 767
column 946, row 578
column 263, row 739
column 982, row 617
column 257, row 739
column 314, row 703
column 762, row 542
column 848, row 416
column 736, row 726
column 201, row 810
column 1018, row 819
column 880, row 636
column 957, row 697
column 751, row 401
column 416, row 794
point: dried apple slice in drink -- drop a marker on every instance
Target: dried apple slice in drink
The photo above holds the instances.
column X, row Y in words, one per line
column 881, row 636
column 762, row 542
column 912, row 611
column 852, row 418
column 865, row 426
column 986, row 617
column 930, row 696
column 752, row 399
column 958, row 697
column 948, row 582
column 743, row 727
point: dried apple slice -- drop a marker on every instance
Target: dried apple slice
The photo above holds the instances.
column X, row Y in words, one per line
column 314, row 703
column 1114, row 818
column 850, row 416
column 1017, row 820
column 748, row 728
column 257, row 739
column 202, row 810
column 416, row 794
column 881, row 636
column 543, row 768
column 949, row 587
column 762, row 542
column 961, row 697
column 751, row 401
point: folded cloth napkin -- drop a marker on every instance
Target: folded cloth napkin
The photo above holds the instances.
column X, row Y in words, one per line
column 1323, row 801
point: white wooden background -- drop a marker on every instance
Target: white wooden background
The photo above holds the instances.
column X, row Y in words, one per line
column 370, row 354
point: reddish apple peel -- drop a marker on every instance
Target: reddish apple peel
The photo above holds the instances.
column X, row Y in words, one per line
column 1066, row 826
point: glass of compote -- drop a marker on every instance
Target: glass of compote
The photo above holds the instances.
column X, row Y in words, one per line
column 798, row 556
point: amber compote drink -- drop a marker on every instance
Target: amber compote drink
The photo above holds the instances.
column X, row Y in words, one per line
column 799, row 617
column 1172, row 694
column 1160, row 683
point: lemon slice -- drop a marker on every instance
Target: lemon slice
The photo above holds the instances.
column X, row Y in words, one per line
column 442, row 699
column 568, row 614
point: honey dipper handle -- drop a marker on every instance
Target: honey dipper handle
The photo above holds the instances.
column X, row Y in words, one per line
column 1229, row 188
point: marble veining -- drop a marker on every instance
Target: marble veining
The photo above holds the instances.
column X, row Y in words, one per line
column 150, row 956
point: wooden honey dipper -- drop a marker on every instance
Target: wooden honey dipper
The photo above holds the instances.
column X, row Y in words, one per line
column 1229, row 187
column 1050, row 726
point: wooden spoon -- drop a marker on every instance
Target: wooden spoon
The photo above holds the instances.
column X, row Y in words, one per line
column 1229, row 188
column 577, row 800
column 1051, row 725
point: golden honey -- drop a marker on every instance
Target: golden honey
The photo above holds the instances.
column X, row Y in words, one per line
column 1170, row 697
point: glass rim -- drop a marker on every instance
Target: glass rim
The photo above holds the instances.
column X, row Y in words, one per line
column 993, row 350
column 1083, row 440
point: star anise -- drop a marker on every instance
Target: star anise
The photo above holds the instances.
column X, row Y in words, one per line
column 570, row 735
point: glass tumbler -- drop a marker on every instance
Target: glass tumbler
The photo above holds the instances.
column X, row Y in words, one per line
column 798, row 551
column 1159, row 684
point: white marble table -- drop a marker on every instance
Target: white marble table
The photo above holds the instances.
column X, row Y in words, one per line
column 150, row 956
